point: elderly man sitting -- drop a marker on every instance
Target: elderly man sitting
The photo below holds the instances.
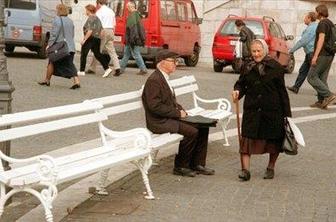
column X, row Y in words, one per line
column 163, row 115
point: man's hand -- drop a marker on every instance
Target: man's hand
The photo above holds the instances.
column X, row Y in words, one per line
column 314, row 61
column 235, row 96
column 183, row 113
column 83, row 41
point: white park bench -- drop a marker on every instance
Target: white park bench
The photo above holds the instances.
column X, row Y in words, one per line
column 43, row 171
column 222, row 112
column 131, row 101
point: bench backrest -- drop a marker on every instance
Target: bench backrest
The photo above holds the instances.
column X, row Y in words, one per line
column 49, row 119
column 125, row 102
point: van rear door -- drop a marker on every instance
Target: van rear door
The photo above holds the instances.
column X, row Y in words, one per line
column 22, row 16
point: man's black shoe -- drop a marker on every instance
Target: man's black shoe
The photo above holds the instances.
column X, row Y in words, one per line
column 204, row 170
column 184, row 172
column 293, row 89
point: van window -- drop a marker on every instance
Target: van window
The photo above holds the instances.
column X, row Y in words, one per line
column 21, row 4
column 118, row 7
column 142, row 7
column 191, row 13
column 229, row 28
column 168, row 10
column 181, row 12
column 274, row 30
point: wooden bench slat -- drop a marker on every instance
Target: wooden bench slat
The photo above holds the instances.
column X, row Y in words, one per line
column 186, row 89
column 40, row 114
column 19, row 132
column 122, row 108
column 109, row 100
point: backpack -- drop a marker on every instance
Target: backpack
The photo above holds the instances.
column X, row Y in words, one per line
column 331, row 45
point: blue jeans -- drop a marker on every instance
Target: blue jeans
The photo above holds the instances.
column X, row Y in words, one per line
column 135, row 53
column 303, row 71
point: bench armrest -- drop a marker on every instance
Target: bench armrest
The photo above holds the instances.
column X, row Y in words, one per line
column 223, row 104
column 142, row 136
column 46, row 166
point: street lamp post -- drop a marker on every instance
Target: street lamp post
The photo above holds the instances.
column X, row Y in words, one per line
column 6, row 87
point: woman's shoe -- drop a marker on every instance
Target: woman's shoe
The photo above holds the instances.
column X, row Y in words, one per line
column 269, row 174
column 244, row 175
column 76, row 86
column 44, row 83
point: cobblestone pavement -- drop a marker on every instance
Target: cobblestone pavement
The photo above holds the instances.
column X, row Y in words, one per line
column 303, row 190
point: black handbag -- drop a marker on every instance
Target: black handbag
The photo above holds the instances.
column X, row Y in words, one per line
column 289, row 146
column 200, row 121
column 58, row 50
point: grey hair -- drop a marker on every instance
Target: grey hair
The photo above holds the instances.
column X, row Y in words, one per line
column 131, row 4
column 263, row 43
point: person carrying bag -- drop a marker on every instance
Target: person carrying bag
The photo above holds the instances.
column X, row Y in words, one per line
column 58, row 50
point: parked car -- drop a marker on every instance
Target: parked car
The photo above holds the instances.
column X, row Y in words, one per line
column 28, row 24
column 172, row 24
column 266, row 28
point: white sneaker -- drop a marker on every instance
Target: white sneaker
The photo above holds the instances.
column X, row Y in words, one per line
column 79, row 73
column 107, row 72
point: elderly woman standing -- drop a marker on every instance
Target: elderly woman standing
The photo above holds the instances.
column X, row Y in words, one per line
column 265, row 107
column 63, row 28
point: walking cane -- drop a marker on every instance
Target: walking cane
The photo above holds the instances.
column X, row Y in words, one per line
column 238, row 127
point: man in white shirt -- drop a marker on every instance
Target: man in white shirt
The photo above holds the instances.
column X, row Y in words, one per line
column 107, row 18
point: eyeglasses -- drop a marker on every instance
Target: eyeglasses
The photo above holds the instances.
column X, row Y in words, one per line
column 175, row 61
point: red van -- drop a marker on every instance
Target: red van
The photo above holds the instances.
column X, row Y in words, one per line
column 265, row 28
column 171, row 24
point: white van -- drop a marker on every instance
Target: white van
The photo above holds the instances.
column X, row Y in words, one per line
column 29, row 23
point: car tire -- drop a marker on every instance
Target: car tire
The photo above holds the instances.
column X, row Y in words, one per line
column 192, row 60
column 9, row 48
column 291, row 64
column 218, row 67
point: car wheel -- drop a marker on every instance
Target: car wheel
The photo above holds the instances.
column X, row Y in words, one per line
column 192, row 60
column 9, row 48
column 218, row 67
column 291, row 64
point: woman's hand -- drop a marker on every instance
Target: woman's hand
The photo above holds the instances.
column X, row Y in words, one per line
column 83, row 42
column 183, row 113
column 235, row 96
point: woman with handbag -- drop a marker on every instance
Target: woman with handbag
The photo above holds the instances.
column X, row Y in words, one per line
column 266, row 105
column 61, row 49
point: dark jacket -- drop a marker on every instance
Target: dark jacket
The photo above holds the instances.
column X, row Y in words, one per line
column 135, row 31
column 246, row 37
column 161, row 109
column 266, row 100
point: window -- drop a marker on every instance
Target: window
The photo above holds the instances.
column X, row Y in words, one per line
column 191, row 13
column 181, row 12
column 282, row 33
column 142, row 7
column 229, row 28
column 163, row 10
column 21, row 4
column 273, row 28
column 118, row 7
column 170, row 9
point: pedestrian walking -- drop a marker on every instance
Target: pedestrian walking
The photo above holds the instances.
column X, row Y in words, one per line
column 91, row 41
column 307, row 43
column 163, row 115
column 62, row 28
column 107, row 19
column 266, row 105
column 135, row 39
column 246, row 36
column 322, row 60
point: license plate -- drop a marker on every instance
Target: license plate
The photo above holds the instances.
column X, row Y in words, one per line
column 117, row 38
column 233, row 42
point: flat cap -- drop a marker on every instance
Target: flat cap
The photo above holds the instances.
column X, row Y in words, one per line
column 165, row 54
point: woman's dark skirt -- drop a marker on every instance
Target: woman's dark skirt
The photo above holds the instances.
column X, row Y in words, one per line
column 260, row 146
column 65, row 67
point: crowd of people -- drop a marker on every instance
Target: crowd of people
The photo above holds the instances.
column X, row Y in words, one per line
column 98, row 32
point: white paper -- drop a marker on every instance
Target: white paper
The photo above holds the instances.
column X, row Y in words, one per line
column 297, row 133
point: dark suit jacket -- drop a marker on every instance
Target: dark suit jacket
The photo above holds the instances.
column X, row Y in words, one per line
column 162, row 110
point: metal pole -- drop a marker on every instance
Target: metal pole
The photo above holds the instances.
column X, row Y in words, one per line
column 6, row 87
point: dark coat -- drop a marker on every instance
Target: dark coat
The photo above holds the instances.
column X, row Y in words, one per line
column 246, row 37
column 266, row 100
column 135, row 31
column 161, row 109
